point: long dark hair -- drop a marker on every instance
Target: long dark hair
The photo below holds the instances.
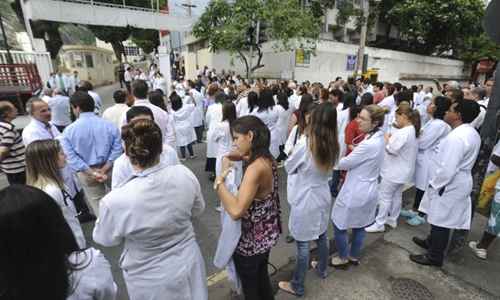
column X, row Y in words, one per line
column 156, row 98
column 261, row 136
column 322, row 133
column 35, row 243
column 229, row 113
column 266, row 100
column 305, row 107
column 252, row 99
column 283, row 100
column 349, row 101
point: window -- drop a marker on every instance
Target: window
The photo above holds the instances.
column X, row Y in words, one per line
column 302, row 57
column 131, row 51
column 77, row 60
column 89, row 60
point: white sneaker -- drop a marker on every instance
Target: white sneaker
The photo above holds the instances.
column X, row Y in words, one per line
column 218, row 208
column 480, row 253
column 182, row 159
column 375, row 228
column 392, row 224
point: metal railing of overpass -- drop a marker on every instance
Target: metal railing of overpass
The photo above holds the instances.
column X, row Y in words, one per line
column 90, row 12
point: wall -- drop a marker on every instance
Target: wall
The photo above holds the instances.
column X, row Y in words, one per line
column 331, row 61
column 92, row 63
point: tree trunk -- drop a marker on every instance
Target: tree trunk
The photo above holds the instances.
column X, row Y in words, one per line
column 118, row 49
column 245, row 61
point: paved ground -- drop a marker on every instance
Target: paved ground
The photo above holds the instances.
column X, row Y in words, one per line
column 385, row 255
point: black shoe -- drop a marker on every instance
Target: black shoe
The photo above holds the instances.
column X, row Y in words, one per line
column 86, row 217
column 422, row 259
column 420, row 242
column 211, row 177
column 290, row 239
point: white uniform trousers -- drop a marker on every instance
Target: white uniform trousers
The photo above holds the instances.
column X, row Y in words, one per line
column 390, row 197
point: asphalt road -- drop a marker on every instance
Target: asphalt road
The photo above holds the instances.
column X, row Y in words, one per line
column 207, row 227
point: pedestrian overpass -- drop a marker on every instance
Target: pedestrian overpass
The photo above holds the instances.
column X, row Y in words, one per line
column 90, row 12
column 176, row 15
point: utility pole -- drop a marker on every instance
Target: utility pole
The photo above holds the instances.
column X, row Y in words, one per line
column 189, row 7
column 7, row 47
column 365, row 6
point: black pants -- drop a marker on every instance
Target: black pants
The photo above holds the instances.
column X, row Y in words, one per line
column 183, row 150
column 127, row 84
column 122, row 81
column 419, row 194
column 459, row 236
column 16, row 178
column 199, row 133
column 254, row 277
column 437, row 241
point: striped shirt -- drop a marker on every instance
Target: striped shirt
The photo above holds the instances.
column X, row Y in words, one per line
column 13, row 163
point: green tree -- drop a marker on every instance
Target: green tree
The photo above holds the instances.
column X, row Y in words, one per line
column 232, row 27
column 479, row 47
column 46, row 30
column 113, row 35
column 436, row 26
column 146, row 39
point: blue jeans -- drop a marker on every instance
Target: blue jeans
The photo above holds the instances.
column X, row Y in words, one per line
column 334, row 184
column 302, row 264
column 342, row 242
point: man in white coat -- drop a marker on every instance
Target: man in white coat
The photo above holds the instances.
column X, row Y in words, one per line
column 447, row 199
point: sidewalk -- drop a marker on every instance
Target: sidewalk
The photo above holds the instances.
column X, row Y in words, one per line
column 387, row 273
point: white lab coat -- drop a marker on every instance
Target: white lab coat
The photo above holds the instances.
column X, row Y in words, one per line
column 270, row 117
column 388, row 102
column 457, row 154
column 293, row 139
column 357, row 200
column 294, row 101
column 308, row 195
column 212, row 118
column 123, row 170
column 342, row 122
column 152, row 214
column 163, row 119
column 400, row 156
column 242, row 108
column 422, row 111
column 197, row 117
column 283, row 120
column 92, row 279
column 223, row 139
column 430, row 136
column 230, row 232
column 159, row 83
column 183, row 125
column 69, row 212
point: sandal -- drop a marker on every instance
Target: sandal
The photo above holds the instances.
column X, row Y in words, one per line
column 286, row 287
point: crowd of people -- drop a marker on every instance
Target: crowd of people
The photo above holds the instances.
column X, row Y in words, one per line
column 352, row 145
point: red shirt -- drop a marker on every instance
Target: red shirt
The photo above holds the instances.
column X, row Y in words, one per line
column 353, row 135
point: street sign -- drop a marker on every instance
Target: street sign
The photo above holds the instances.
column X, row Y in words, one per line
column 351, row 62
